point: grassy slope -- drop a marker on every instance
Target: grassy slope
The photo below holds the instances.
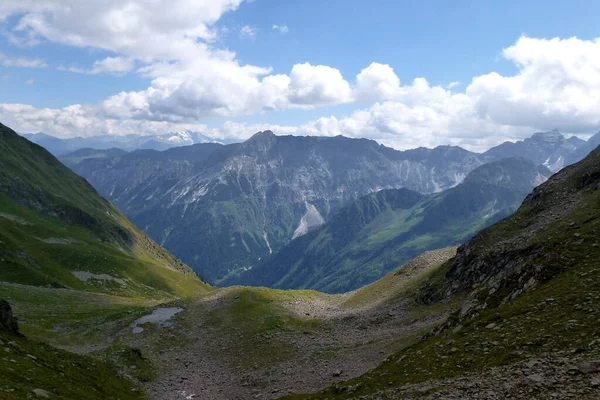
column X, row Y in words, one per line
column 28, row 365
column 52, row 223
column 556, row 233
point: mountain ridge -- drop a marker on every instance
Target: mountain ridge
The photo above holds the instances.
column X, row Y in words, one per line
column 378, row 232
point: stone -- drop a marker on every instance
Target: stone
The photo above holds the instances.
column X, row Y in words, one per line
column 532, row 363
column 8, row 323
column 534, row 380
column 490, row 326
column 588, row 367
column 337, row 373
column 42, row 393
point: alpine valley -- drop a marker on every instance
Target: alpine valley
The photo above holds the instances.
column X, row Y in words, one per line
column 95, row 309
column 229, row 209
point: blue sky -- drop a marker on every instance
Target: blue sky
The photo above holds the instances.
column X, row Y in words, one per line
column 225, row 94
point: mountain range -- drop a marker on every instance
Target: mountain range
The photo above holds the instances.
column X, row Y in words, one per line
column 251, row 199
column 59, row 147
column 381, row 231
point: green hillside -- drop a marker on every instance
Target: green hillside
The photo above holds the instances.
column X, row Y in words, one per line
column 56, row 231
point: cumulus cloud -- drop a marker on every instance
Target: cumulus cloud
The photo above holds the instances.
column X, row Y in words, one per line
column 557, row 83
column 317, row 85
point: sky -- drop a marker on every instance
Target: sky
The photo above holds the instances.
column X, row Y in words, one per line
column 404, row 73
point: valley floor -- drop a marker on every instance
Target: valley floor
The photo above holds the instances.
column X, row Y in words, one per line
column 238, row 342
column 243, row 343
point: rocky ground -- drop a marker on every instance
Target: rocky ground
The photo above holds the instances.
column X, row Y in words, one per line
column 561, row 375
column 227, row 346
column 341, row 346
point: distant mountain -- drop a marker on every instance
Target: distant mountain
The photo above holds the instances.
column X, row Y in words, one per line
column 550, row 149
column 253, row 198
column 222, row 208
column 584, row 149
column 77, row 156
column 56, row 231
column 61, row 147
column 379, row 232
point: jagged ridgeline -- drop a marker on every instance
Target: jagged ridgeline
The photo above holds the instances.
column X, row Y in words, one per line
column 56, row 231
column 377, row 233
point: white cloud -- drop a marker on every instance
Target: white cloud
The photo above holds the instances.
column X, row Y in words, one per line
column 30, row 81
column 317, row 85
column 452, row 85
column 557, row 83
column 283, row 29
column 161, row 29
column 377, row 82
column 115, row 65
column 248, row 31
column 109, row 65
column 6, row 61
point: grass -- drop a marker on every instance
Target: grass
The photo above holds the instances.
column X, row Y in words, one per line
column 69, row 317
column 529, row 326
column 27, row 365
column 403, row 280
column 257, row 324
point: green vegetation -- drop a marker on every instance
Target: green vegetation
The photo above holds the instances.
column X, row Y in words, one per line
column 29, row 366
column 553, row 317
column 401, row 282
column 256, row 321
column 57, row 232
column 77, row 273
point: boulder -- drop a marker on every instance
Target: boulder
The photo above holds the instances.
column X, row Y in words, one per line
column 8, row 323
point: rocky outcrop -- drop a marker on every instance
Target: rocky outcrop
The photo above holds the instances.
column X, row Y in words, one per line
column 8, row 323
column 541, row 240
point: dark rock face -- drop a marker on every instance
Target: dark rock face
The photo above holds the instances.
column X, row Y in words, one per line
column 8, row 323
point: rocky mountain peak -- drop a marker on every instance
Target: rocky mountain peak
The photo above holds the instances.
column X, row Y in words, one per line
column 263, row 135
column 553, row 136
column 262, row 140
